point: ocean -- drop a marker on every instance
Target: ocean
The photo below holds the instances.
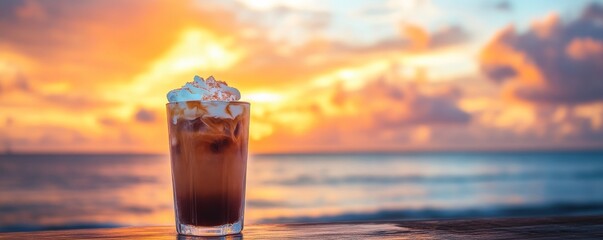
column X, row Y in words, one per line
column 67, row 191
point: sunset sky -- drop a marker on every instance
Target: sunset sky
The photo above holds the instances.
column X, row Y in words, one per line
column 92, row 76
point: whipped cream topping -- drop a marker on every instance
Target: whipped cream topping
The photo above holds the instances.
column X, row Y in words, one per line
column 204, row 90
column 214, row 100
column 215, row 109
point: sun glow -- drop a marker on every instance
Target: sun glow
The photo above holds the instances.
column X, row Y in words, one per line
column 262, row 97
column 199, row 49
column 353, row 78
column 195, row 52
column 443, row 65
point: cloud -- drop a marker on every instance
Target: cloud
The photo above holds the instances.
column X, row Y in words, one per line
column 107, row 121
column 417, row 35
column 553, row 62
column 99, row 34
column 585, row 49
column 31, row 10
column 382, row 114
column 23, row 87
column 500, row 73
column 51, row 136
column 328, row 87
column 387, row 12
column 394, row 105
column 8, row 121
column 503, row 6
column 394, row 44
column 421, row 39
column 593, row 11
column 305, row 18
column 287, row 21
column 450, row 35
column 22, row 84
column 78, row 40
column 264, row 62
column 76, row 102
column 145, row 116
column 317, row 56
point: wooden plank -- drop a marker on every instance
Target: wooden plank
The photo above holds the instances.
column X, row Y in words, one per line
column 590, row 227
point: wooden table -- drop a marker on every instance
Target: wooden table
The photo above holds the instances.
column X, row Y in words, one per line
column 590, row 227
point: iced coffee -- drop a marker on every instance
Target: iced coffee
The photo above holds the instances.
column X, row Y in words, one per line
column 208, row 133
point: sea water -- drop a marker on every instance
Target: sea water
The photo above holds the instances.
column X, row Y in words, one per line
column 67, row 191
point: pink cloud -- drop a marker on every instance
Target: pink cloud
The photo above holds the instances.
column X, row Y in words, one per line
column 548, row 63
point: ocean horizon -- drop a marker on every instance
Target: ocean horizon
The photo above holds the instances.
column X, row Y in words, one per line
column 42, row 191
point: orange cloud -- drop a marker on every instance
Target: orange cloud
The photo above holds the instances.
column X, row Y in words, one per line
column 544, row 64
column 501, row 61
column 585, row 49
column 554, row 67
column 384, row 114
column 31, row 10
column 421, row 39
column 417, row 35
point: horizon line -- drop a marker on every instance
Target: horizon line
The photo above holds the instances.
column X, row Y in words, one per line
column 330, row 152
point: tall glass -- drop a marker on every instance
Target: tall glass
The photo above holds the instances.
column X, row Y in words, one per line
column 208, row 148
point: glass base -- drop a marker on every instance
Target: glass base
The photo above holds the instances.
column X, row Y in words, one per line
column 221, row 230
